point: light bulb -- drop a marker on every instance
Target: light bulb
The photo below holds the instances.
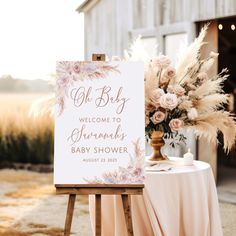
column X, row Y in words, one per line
column 220, row 26
column 232, row 27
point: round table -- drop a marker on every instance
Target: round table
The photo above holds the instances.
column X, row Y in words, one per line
column 178, row 202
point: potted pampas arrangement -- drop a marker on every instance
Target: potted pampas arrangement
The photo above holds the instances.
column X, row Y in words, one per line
column 184, row 97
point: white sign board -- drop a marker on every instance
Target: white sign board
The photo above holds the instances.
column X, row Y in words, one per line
column 99, row 123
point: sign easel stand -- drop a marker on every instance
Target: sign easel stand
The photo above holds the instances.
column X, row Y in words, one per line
column 125, row 190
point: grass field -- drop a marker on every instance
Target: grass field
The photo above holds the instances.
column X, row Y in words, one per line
column 24, row 138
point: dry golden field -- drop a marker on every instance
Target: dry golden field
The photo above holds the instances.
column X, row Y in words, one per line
column 24, row 138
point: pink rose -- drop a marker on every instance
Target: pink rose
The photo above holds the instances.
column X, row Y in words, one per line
column 169, row 101
column 76, row 67
column 149, row 108
column 176, row 124
column 176, row 89
column 155, row 96
column 168, row 74
column 63, row 81
column 160, row 62
column 158, row 117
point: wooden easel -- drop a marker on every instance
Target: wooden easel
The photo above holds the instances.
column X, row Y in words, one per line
column 125, row 190
column 93, row 189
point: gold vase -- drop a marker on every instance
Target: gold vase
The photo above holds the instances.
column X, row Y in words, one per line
column 157, row 142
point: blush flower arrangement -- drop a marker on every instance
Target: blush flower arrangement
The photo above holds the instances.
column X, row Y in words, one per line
column 69, row 72
column 185, row 96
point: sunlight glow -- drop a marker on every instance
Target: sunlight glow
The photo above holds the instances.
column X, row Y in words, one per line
column 35, row 34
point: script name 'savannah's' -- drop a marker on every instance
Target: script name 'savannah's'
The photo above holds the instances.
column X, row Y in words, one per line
column 100, row 96
column 82, row 133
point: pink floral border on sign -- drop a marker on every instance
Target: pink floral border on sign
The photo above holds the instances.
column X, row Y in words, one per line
column 68, row 72
column 132, row 174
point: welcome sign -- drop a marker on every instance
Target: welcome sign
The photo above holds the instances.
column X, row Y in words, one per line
column 99, row 123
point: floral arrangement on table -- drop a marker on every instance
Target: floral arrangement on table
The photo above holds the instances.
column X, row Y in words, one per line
column 185, row 96
column 176, row 98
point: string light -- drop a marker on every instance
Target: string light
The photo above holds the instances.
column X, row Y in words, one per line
column 232, row 27
column 220, row 26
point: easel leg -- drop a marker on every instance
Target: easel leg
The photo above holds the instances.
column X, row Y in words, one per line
column 126, row 199
column 69, row 214
column 98, row 223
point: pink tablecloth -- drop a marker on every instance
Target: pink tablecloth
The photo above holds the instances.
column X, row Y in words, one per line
column 179, row 202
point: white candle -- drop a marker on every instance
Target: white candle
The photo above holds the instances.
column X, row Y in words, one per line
column 188, row 158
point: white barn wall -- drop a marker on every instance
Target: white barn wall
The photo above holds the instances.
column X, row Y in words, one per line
column 110, row 26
